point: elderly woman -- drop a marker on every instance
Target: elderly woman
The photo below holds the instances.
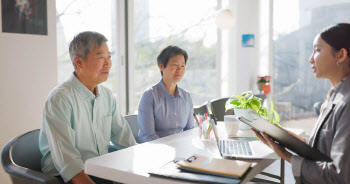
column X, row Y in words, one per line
column 165, row 108
column 331, row 134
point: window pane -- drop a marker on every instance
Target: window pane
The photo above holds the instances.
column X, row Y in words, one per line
column 296, row 23
column 74, row 16
column 187, row 24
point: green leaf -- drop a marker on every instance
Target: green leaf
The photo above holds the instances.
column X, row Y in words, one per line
column 247, row 94
column 257, row 98
column 231, row 103
column 248, row 101
column 255, row 105
column 239, row 97
column 263, row 112
column 276, row 116
column 271, row 107
column 235, row 102
column 259, row 102
column 229, row 106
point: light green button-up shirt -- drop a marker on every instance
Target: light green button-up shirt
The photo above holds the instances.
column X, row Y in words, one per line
column 77, row 125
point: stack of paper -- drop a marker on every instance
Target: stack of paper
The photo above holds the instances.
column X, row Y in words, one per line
column 214, row 166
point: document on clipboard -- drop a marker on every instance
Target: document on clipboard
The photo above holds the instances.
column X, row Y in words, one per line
column 281, row 136
column 214, row 166
column 171, row 170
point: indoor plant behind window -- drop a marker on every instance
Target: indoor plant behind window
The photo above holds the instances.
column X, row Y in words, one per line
column 264, row 81
column 247, row 101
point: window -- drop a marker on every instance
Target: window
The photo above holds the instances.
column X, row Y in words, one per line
column 155, row 24
column 187, row 24
column 296, row 23
column 75, row 16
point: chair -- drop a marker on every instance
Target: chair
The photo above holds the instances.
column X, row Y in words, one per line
column 218, row 106
column 134, row 126
column 21, row 159
column 200, row 109
column 317, row 107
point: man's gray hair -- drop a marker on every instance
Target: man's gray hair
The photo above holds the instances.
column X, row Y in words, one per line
column 83, row 43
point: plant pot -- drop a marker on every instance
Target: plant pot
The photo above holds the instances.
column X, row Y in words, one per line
column 260, row 86
column 244, row 113
column 266, row 88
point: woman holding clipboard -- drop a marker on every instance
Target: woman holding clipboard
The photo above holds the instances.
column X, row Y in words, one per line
column 331, row 135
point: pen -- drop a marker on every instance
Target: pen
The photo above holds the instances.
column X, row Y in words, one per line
column 195, row 117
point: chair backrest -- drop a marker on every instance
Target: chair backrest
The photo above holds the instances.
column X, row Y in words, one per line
column 317, row 108
column 21, row 159
column 25, row 151
column 218, row 106
column 200, row 109
column 134, row 126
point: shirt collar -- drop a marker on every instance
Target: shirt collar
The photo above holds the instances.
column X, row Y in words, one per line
column 334, row 89
column 83, row 90
column 164, row 91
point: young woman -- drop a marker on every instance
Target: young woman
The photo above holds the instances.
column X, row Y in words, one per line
column 331, row 134
column 165, row 108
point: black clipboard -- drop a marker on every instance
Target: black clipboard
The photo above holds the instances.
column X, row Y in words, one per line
column 281, row 136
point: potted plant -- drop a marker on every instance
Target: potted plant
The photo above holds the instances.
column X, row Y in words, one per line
column 263, row 81
column 247, row 101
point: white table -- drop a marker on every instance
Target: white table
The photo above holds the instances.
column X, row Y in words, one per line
column 131, row 165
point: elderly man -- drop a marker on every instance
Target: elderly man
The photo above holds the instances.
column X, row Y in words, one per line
column 81, row 117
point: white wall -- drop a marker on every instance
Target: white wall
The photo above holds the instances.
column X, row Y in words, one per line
column 243, row 62
column 28, row 72
column 247, row 57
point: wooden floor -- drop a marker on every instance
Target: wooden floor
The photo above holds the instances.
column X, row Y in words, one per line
column 305, row 124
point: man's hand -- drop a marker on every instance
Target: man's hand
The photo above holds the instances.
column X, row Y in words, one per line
column 82, row 178
column 281, row 151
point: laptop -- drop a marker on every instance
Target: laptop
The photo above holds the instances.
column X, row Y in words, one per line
column 282, row 137
column 231, row 148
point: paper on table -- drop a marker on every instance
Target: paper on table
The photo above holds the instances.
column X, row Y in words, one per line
column 216, row 166
column 171, row 170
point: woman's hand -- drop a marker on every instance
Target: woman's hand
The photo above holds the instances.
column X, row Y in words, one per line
column 281, row 151
column 295, row 135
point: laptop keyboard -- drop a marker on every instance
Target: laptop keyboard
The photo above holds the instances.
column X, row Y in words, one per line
column 234, row 147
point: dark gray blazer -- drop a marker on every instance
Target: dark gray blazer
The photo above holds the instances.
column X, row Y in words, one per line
column 331, row 135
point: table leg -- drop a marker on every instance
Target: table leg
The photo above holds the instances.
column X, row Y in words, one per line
column 282, row 171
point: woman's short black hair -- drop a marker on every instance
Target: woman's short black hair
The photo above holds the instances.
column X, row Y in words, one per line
column 338, row 36
column 169, row 52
